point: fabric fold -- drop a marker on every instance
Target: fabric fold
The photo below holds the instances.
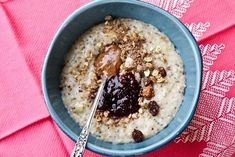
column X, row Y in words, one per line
column 26, row 29
column 21, row 102
column 34, row 141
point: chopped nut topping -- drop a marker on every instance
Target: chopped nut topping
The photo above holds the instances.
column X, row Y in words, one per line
column 142, row 104
column 148, row 59
column 147, row 73
column 140, row 111
column 148, row 92
column 92, row 94
column 129, row 63
column 115, row 27
column 148, row 81
column 152, row 78
column 133, row 59
column 161, row 80
column 126, row 120
column 98, row 119
column 105, row 119
column 106, row 113
column 86, row 63
column 108, row 18
column 140, row 68
column 125, row 38
column 98, row 45
column 110, row 122
column 137, row 77
column 123, row 72
column 159, row 75
column 155, row 73
column 98, row 129
column 158, row 50
column 151, row 48
column 136, row 38
column 131, row 45
column 149, row 65
column 106, row 23
column 140, row 99
column 99, row 81
column 134, row 116
column 164, row 59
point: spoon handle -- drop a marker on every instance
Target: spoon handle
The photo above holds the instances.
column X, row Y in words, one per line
column 81, row 143
column 82, row 139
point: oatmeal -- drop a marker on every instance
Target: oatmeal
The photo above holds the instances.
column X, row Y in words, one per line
column 145, row 82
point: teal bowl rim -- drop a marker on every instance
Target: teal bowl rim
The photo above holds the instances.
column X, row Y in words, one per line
column 149, row 148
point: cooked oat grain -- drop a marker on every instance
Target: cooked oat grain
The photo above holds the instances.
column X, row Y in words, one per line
column 78, row 78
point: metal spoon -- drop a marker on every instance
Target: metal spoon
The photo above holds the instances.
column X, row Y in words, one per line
column 82, row 139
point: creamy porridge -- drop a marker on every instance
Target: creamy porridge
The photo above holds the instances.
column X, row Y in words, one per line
column 145, row 86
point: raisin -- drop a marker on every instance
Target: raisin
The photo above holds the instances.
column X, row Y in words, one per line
column 162, row 71
column 153, row 108
column 137, row 135
column 148, row 92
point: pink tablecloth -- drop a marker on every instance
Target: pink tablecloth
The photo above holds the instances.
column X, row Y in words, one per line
column 26, row 28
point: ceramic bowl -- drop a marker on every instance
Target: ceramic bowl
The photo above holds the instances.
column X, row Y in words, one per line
column 93, row 13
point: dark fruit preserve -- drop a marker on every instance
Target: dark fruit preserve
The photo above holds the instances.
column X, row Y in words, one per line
column 120, row 96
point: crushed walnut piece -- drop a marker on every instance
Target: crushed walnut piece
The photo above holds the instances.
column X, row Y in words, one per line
column 98, row 118
column 115, row 27
column 147, row 82
column 147, row 73
column 153, row 79
column 132, row 53
column 148, row 91
column 158, row 75
column 135, row 59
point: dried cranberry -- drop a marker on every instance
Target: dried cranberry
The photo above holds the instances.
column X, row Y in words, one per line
column 162, row 71
column 137, row 135
column 153, row 108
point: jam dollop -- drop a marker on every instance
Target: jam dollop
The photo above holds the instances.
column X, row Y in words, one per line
column 120, row 95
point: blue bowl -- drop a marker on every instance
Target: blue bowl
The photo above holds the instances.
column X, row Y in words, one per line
column 94, row 13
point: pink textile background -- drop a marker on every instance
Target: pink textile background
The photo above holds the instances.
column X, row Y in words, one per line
column 26, row 29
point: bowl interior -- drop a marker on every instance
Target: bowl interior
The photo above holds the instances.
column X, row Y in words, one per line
column 87, row 17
